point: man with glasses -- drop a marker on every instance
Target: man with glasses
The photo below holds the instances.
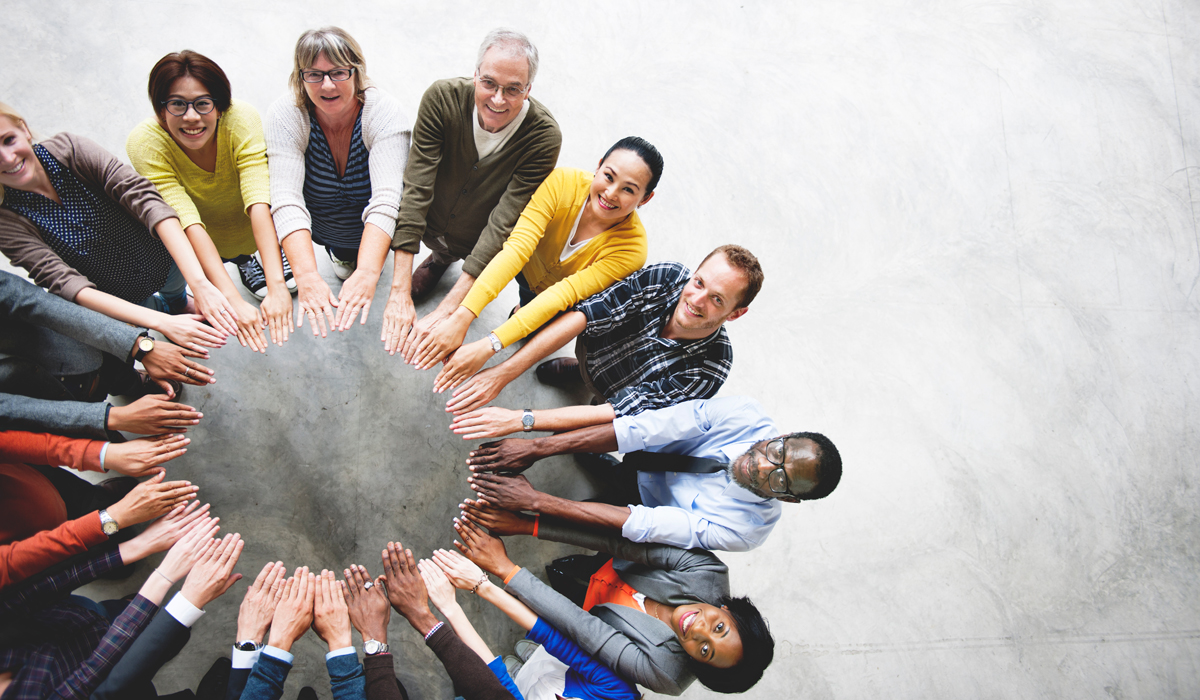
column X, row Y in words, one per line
column 708, row 473
column 480, row 148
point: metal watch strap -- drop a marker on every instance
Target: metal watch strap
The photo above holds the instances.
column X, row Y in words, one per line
column 497, row 346
column 527, row 420
column 108, row 525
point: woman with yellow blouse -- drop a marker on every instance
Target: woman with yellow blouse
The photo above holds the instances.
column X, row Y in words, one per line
column 579, row 234
column 206, row 155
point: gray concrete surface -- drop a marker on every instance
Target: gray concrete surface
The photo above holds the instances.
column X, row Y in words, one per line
column 978, row 224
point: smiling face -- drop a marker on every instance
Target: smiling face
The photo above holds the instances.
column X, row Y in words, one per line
column 619, row 186
column 335, row 101
column 708, row 634
column 801, row 465
column 193, row 131
column 709, row 299
column 505, row 70
column 19, row 167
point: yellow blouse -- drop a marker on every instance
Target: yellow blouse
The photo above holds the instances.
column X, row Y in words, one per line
column 217, row 200
column 534, row 248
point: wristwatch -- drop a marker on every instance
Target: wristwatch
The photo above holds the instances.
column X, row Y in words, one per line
column 143, row 347
column 372, row 647
column 497, row 346
column 107, row 524
column 527, row 419
column 248, row 645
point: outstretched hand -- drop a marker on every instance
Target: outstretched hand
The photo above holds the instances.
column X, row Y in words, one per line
column 294, row 613
column 441, row 592
column 497, row 520
column 405, row 589
column 331, row 618
column 462, row 572
column 511, row 455
column 483, row 549
column 262, row 596
column 368, row 603
column 507, row 492
column 213, row 573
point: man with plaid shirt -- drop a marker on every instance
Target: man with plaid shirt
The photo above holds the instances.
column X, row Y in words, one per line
column 652, row 340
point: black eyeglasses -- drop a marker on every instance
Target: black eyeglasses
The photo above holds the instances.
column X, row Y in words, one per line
column 777, row 480
column 337, row 75
column 179, row 107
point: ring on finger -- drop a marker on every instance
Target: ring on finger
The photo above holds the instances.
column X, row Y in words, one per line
column 368, row 585
column 187, row 371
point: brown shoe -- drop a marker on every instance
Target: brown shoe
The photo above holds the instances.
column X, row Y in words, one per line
column 426, row 277
column 561, row 372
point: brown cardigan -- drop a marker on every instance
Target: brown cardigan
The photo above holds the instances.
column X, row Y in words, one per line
column 21, row 240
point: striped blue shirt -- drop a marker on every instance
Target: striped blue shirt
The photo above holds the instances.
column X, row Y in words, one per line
column 335, row 203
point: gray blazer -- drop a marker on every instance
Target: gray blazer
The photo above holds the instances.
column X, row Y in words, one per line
column 637, row 646
column 43, row 337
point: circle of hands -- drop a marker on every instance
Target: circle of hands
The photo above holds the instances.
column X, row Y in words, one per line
column 286, row 606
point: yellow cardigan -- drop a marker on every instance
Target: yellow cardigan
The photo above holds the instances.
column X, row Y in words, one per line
column 217, row 200
column 534, row 248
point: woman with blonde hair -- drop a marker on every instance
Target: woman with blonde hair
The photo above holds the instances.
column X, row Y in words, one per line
column 88, row 228
column 336, row 149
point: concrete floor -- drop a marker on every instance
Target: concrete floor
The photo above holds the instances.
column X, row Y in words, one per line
column 979, row 232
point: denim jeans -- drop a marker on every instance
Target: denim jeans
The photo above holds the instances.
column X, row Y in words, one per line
column 172, row 298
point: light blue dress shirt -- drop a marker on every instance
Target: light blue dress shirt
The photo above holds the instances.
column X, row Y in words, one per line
column 699, row 510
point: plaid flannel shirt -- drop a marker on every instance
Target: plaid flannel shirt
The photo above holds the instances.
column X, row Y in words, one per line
column 71, row 650
column 630, row 364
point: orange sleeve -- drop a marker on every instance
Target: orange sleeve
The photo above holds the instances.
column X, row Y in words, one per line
column 52, row 450
column 24, row 558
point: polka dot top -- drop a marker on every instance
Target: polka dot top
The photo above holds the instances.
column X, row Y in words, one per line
column 94, row 234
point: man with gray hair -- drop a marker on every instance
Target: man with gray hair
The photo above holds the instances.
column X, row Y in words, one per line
column 480, row 148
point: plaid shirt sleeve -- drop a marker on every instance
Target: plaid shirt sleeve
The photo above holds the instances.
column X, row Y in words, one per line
column 120, row 636
column 57, row 581
column 697, row 376
column 625, row 300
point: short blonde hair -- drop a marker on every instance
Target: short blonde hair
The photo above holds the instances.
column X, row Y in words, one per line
column 15, row 117
column 339, row 47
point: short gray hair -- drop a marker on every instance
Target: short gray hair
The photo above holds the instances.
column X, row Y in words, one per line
column 515, row 43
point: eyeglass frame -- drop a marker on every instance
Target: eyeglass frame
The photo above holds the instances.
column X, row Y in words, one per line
column 479, row 79
column 186, row 104
column 779, row 467
column 325, row 74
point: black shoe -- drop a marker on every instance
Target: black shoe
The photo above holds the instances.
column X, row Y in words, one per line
column 307, row 693
column 215, row 682
column 561, row 372
column 426, row 277
column 253, row 277
column 288, row 279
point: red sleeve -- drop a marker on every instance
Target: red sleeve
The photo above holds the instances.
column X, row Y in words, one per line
column 24, row 558
column 52, row 450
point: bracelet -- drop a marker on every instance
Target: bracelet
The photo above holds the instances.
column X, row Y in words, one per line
column 164, row 577
column 436, row 627
column 482, row 581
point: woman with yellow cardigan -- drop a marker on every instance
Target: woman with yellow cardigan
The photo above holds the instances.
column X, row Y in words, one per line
column 206, row 154
column 579, row 235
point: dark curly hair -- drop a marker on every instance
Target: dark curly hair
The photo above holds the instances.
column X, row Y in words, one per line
column 758, row 650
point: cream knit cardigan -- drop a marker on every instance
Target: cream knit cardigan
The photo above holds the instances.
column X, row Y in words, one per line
column 386, row 133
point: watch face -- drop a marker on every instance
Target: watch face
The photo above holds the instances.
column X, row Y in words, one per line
column 527, row 420
column 371, row 646
column 146, row 344
column 109, row 528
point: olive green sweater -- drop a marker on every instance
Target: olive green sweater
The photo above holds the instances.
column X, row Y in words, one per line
column 473, row 204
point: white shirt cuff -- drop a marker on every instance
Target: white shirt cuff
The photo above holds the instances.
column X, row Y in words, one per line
column 341, row 652
column 182, row 609
column 244, row 659
column 103, row 451
column 280, row 654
